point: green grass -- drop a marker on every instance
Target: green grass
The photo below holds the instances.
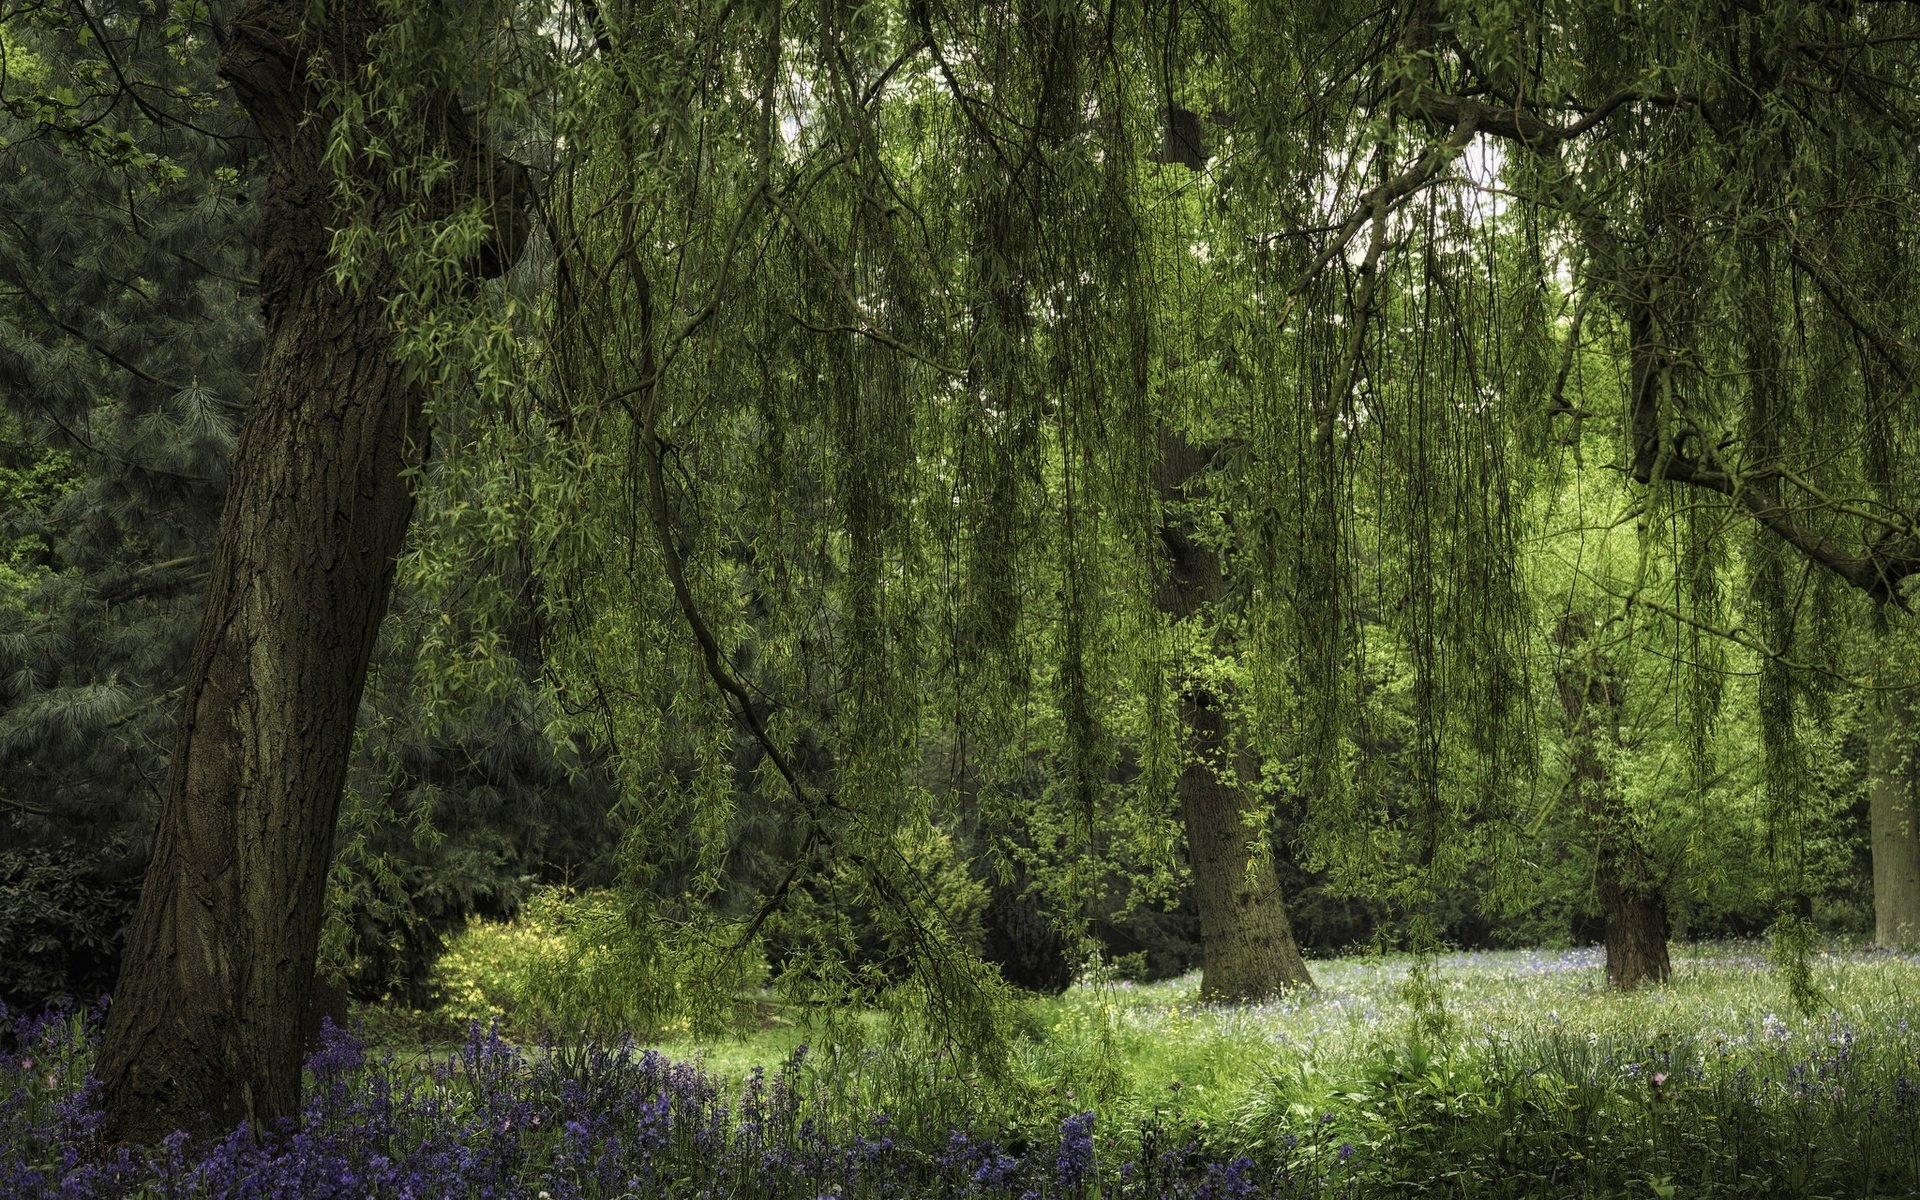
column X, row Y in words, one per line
column 1177, row 1055
column 1224, row 1057
column 1543, row 1082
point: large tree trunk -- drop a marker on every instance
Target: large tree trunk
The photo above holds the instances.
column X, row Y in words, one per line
column 205, row 1027
column 1636, row 914
column 1895, row 819
column 1592, row 693
column 1247, row 947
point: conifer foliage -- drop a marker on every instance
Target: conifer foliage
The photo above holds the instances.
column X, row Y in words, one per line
column 128, row 337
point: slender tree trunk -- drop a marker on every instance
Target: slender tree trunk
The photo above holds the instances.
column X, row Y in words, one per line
column 1895, row 820
column 1592, row 693
column 205, row 1027
column 1247, row 947
column 1246, row 941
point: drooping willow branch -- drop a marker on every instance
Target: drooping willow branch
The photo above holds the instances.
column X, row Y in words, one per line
column 1880, row 567
column 638, row 398
column 811, row 803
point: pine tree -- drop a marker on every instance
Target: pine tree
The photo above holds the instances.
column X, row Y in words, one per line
column 127, row 337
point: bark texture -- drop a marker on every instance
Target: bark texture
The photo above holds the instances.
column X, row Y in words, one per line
column 1636, row 914
column 1247, row 947
column 1894, row 813
column 205, row 1027
column 1592, row 693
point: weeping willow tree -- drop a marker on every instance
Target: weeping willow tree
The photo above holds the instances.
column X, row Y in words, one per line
column 856, row 387
column 1727, row 186
column 1376, row 445
column 1437, row 207
column 870, row 415
column 873, row 360
column 890, row 372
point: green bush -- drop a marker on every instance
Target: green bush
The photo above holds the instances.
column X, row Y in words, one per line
column 1769, row 1112
column 589, row 962
column 61, row 925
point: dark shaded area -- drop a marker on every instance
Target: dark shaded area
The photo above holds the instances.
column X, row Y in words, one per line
column 63, row 915
column 1026, row 941
column 1182, row 140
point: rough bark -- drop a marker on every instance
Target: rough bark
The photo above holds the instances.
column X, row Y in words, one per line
column 1894, row 814
column 205, row 1027
column 1247, row 947
column 1636, row 915
column 1632, row 901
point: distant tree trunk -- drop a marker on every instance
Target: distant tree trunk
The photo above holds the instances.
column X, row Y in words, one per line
column 1246, row 941
column 1636, row 912
column 1592, row 693
column 205, row 1027
column 1895, row 820
column 1247, row 951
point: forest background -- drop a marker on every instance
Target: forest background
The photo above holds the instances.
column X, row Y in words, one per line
column 890, row 501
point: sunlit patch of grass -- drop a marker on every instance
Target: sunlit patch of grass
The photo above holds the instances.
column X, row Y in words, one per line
column 1217, row 1054
column 1546, row 1076
column 1175, row 1055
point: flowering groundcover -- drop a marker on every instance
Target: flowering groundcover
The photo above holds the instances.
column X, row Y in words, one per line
column 493, row 1121
column 1823, row 1108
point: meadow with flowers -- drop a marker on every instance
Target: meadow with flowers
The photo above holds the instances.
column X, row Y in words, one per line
column 1537, row 1082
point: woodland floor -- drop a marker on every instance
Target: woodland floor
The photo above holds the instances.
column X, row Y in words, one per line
column 1721, row 993
column 1527, row 1079
column 1153, row 1051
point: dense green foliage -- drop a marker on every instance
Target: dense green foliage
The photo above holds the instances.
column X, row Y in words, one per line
column 126, row 338
column 128, row 342
column 872, row 391
column 944, row 499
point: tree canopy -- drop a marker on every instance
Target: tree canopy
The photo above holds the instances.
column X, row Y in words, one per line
column 912, row 458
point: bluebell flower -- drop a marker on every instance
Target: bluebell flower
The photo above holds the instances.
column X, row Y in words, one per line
column 1073, row 1163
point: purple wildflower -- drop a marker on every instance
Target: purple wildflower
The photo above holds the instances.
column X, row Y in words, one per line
column 1073, row 1164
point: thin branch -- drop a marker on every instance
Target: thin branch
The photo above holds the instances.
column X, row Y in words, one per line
column 1424, row 171
column 1878, row 572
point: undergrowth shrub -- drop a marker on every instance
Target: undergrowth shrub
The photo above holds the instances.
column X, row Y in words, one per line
column 61, row 925
column 585, row 963
column 486, row 971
